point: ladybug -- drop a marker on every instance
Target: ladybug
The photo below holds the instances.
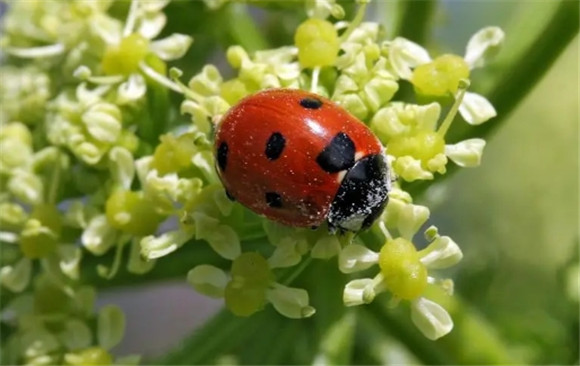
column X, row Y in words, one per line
column 299, row 159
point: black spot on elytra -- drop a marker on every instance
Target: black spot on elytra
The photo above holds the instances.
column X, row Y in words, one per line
column 338, row 155
column 230, row 197
column 222, row 156
column 273, row 199
column 311, row 103
column 275, row 145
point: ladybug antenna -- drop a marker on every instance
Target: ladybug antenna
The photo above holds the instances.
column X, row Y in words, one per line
column 315, row 75
column 463, row 85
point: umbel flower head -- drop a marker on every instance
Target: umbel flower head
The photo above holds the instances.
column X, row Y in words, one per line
column 404, row 271
column 95, row 163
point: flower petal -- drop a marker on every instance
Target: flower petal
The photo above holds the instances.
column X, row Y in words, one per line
column 475, row 109
column 443, row 252
column 111, row 326
column 483, row 45
column 466, row 153
column 208, row 280
column 131, row 90
column 358, row 292
column 431, row 318
column 172, row 47
column 355, row 257
column 405, row 55
column 410, row 219
column 290, row 302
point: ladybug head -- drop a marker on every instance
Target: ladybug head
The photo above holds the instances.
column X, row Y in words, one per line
column 362, row 196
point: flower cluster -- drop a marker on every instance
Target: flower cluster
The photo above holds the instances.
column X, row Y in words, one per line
column 94, row 161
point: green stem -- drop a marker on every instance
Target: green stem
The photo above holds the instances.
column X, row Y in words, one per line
column 358, row 18
column 415, row 20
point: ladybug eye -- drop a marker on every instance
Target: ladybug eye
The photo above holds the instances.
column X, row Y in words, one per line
column 338, row 155
column 311, row 103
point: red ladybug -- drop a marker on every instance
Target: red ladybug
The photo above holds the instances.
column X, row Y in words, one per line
column 299, row 159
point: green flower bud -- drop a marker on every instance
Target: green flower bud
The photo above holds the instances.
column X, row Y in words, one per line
column 207, row 82
column 404, row 274
column 439, row 79
column 173, row 154
column 233, row 90
column 398, row 120
column 410, row 169
column 124, row 57
column 354, row 104
column 110, row 326
column 132, row 213
column 24, row 93
column 103, row 122
column 236, row 56
column 317, row 42
column 377, row 92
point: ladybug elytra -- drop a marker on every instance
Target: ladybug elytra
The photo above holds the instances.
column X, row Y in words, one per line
column 299, row 159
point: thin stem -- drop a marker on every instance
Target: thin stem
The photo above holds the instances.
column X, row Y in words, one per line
column 288, row 280
column 54, row 180
column 385, row 231
column 315, row 76
column 161, row 79
column 463, row 85
column 355, row 22
column 131, row 18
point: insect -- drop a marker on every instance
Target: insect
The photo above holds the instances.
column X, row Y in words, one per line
column 299, row 159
